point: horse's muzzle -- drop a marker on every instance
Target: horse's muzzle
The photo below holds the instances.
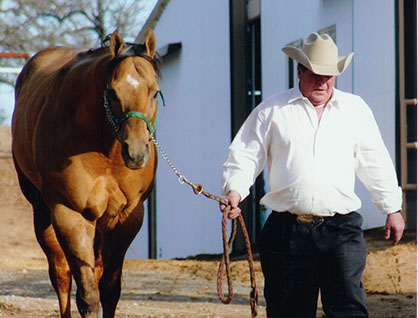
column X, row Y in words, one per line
column 135, row 154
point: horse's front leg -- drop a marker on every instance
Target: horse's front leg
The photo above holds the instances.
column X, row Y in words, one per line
column 76, row 236
column 113, row 251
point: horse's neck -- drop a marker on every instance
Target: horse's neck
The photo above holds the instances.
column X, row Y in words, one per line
column 90, row 75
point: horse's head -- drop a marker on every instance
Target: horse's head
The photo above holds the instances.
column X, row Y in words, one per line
column 131, row 96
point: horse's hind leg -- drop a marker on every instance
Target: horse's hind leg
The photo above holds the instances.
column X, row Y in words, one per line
column 59, row 271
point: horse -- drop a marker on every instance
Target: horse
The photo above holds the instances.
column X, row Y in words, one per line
column 82, row 147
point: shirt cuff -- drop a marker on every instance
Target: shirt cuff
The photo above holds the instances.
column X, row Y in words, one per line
column 238, row 187
column 392, row 204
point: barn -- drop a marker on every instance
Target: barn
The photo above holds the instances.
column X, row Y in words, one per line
column 221, row 58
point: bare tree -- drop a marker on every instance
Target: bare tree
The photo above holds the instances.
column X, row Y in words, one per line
column 30, row 25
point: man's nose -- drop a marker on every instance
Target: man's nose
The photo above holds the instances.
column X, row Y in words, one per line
column 323, row 78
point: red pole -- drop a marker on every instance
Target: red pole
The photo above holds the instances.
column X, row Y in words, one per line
column 13, row 54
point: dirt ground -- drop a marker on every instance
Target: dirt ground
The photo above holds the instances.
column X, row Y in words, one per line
column 174, row 288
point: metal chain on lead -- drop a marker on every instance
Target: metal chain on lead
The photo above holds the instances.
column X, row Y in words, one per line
column 181, row 178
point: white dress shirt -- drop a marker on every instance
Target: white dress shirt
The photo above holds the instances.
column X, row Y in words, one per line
column 312, row 164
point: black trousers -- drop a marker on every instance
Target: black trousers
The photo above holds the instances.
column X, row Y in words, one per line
column 298, row 260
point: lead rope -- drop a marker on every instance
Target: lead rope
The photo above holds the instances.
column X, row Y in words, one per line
column 225, row 264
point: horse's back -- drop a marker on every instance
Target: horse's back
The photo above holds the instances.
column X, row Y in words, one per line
column 43, row 66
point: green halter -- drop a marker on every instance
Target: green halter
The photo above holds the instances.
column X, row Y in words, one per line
column 126, row 116
column 117, row 122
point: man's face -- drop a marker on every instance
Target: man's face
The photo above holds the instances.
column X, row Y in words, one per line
column 317, row 88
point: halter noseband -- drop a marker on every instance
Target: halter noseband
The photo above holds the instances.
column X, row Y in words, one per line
column 117, row 122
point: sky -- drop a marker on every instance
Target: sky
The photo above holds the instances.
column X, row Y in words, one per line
column 7, row 91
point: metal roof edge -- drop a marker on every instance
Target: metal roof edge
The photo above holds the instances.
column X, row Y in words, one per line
column 152, row 20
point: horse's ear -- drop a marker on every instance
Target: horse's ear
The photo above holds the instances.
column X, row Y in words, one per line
column 116, row 44
column 150, row 43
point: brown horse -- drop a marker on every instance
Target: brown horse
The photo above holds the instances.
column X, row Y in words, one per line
column 81, row 131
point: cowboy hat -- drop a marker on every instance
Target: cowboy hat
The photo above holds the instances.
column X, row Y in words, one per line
column 320, row 55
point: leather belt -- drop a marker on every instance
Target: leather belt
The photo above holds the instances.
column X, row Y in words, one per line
column 310, row 220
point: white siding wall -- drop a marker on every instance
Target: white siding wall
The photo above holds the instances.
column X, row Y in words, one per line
column 194, row 127
column 371, row 74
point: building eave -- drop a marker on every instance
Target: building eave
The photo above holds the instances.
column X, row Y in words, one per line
column 152, row 20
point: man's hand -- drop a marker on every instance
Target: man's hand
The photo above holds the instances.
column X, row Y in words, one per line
column 234, row 199
column 395, row 225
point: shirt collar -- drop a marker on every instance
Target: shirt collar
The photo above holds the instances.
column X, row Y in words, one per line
column 296, row 94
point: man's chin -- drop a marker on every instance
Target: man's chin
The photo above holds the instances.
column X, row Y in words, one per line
column 319, row 97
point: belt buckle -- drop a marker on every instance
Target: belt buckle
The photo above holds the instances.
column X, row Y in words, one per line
column 310, row 220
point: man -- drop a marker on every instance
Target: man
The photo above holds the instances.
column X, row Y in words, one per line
column 314, row 140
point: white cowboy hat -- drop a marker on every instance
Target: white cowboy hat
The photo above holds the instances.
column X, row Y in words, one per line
column 320, row 55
